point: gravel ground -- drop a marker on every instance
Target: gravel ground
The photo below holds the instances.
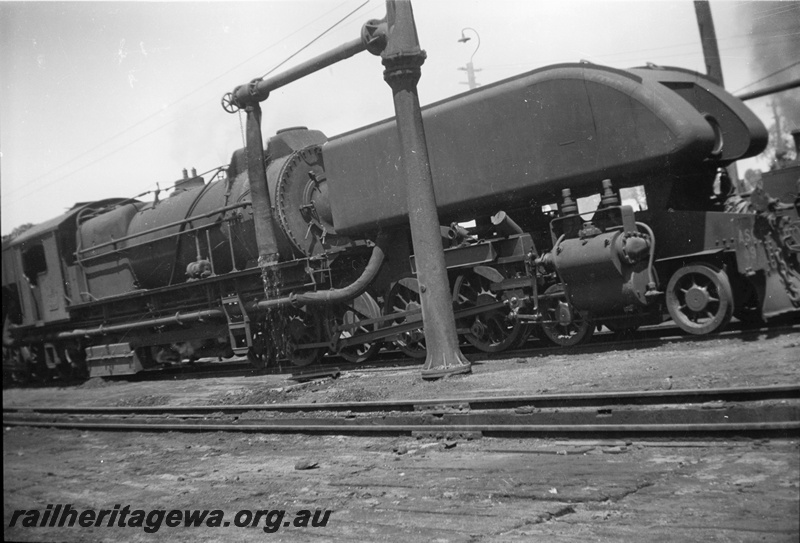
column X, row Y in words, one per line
column 748, row 360
column 391, row 489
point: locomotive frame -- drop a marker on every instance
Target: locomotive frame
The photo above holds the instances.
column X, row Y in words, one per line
column 120, row 285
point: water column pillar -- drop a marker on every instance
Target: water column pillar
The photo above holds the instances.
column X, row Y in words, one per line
column 402, row 59
column 266, row 240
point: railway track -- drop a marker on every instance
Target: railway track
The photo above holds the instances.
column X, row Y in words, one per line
column 751, row 412
column 647, row 337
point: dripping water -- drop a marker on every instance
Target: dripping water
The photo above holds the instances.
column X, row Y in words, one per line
column 276, row 338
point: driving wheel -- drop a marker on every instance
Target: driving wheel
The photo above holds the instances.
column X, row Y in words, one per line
column 344, row 322
column 493, row 331
column 403, row 296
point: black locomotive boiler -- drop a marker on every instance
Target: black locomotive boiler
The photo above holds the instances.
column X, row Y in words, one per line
column 570, row 197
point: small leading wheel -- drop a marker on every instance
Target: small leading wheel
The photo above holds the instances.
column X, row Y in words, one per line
column 493, row 331
column 700, row 299
column 15, row 365
column 38, row 363
column 564, row 326
column 403, row 296
column 303, row 328
column 256, row 358
column 344, row 322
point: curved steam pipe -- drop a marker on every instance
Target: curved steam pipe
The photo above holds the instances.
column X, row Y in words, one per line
column 336, row 295
column 322, row 297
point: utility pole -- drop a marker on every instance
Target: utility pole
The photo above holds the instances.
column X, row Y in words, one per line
column 780, row 145
column 708, row 38
column 470, row 75
column 470, row 69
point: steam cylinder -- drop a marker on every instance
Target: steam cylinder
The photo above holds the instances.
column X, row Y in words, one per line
column 604, row 273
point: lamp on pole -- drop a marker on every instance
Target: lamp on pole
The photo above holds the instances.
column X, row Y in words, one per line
column 469, row 68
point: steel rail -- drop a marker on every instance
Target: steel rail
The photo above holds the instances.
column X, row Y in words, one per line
column 649, row 336
column 773, row 411
column 684, row 430
column 568, row 400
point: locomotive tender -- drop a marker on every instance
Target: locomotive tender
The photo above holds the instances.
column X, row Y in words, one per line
column 122, row 284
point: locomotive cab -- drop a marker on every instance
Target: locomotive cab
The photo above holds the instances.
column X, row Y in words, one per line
column 38, row 270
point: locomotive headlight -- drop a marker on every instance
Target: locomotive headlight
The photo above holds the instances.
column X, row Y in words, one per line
column 633, row 247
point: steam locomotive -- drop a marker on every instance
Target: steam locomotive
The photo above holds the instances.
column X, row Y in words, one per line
column 570, row 197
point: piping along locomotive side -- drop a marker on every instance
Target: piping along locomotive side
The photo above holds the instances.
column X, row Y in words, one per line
column 119, row 285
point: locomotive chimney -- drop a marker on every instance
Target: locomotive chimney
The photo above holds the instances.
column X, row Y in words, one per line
column 796, row 138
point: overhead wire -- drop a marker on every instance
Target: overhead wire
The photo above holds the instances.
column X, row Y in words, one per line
column 730, row 48
column 780, row 10
column 306, row 46
column 773, row 74
column 761, row 40
column 169, row 122
column 175, row 102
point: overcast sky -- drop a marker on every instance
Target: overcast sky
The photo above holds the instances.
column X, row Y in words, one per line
column 103, row 99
